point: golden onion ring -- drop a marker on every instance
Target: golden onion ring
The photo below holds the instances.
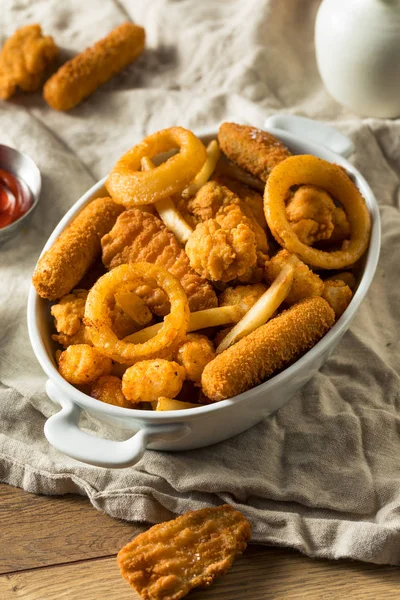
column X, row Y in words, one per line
column 131, row 187
column 98, row 318
column 310, row 170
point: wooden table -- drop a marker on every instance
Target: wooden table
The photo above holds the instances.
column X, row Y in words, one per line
column 61, row 548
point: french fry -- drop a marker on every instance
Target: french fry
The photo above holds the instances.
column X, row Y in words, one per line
column 169, row 404
column 211, row 317
column 168, row 212
column 262, row 310
column 213, row 154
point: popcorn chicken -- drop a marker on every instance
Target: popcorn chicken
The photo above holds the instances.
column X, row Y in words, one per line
column 81, row 363
column 148, row 380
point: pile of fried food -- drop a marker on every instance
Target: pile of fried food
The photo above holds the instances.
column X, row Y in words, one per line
column 172, row 558
column 28, row 56
column 220, row 266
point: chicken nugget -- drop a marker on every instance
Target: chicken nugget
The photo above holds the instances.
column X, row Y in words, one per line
column 269, row 348
column 80, row 364
column 148, row 380
column 108, row 389
column 24, row 59
column 82, row 75
column 68, row 319
column 251, row 198
column 221, row 254
column 195, row 352
column 171, row 558
column 141, row 237
column 253, row 149
column 60, row 268
column 338, row 295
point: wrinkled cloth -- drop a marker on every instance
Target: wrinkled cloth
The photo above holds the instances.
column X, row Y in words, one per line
column 322, row 474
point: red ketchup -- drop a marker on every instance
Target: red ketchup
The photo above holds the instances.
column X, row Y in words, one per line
column 15, row 198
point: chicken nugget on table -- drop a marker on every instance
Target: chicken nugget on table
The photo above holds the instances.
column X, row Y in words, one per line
column 24, row 59
column 170, row 559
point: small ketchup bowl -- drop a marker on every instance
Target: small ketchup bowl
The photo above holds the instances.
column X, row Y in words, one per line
column 21, row 171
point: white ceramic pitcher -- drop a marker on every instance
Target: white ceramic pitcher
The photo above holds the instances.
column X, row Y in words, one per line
column 358, row 54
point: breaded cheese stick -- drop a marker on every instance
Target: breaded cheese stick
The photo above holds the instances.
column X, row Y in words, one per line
column 252, row 149
column 65, row 263
column 269, row 348
column 83, row 74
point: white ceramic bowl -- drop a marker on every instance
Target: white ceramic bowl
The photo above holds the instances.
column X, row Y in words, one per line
column 194, row 428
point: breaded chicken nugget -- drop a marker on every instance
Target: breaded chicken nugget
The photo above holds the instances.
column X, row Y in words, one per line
column 252, row 149
column 213, row 199
column 252, row 199
column 170, row 559
column 219, row 253
column 269, row 348
column 305, row 283
column 68, row 319
column 24, row 59
column 141, row 237
column 148, row 380
column 83, row 74
column 65, row 263
column 108, row 389
column 80, row 364
column 195, row 352
column 338, row 295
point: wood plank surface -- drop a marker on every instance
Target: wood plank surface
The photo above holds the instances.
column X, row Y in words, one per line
column 260, row 574
column 71, row 550
column 37, row 531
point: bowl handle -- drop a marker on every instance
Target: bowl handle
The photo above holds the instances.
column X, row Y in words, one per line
column 62, row 431
column 315, row 131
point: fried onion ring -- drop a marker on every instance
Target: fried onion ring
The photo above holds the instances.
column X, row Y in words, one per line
column 131, row 187
column 99, row 322
column 310, row 170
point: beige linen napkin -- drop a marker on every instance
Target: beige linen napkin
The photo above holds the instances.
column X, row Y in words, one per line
column 322, row 475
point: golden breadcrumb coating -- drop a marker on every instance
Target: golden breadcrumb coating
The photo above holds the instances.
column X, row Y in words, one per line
column 108, row 389
column 252, row 199
column 139, row 236
column 338, row 295
column 268, row 349
column 168, row 560
column 221, row 254
column 81, row 363
column 194, row 354
column 305, row 283
column 85, row 72
column 148, row 380
column 252, row 149
column 24, row 60
column 61, row 268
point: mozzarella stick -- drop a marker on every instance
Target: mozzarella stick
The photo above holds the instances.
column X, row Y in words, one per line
column 65, row 263
column 83, row 74
column 269, row 348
